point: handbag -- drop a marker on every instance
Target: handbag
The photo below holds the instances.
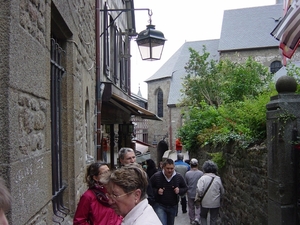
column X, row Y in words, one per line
column 198, row 199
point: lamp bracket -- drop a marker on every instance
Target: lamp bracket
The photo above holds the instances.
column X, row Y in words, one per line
column 121, row 11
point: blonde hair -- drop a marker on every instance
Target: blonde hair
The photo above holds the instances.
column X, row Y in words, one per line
column 130, row 178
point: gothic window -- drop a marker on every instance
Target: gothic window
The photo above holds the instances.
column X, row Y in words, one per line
column 160, row 101
column 275, row 66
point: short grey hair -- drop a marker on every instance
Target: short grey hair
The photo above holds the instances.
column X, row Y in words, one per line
column 210, row 167
column 180, row 156
column 124, row 151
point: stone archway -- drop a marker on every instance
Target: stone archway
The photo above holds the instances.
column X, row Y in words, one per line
column 161, row 148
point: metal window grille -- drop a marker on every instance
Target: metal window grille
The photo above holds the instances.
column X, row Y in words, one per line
column 57, row 71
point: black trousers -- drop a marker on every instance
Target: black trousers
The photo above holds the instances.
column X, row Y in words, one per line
column 183, row 203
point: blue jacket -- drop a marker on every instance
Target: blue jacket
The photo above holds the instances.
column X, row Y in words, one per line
column 181, row 167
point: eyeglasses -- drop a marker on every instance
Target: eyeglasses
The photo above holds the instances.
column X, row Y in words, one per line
column 116, row 197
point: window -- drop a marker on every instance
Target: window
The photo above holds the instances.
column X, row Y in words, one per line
column 160, row 101
column 124, row 65
column 145, row 135
column 89, row 150
column 275, row 66
column 57, row 71
column 106, row 43
column 115, row 55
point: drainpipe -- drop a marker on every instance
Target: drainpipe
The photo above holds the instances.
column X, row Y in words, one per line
column 98, row 82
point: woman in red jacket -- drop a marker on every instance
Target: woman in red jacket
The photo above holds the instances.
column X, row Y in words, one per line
column 93, row 207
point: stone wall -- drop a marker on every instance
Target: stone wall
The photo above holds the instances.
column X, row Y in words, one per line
column 245, row 181
column 265, row 55
column 27, row 27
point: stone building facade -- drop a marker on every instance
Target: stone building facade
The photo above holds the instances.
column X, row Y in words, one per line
column 54, row 60
column 158, row 129
column 47, row 87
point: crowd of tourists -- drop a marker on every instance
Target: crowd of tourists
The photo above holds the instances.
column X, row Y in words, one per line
column 146, row 194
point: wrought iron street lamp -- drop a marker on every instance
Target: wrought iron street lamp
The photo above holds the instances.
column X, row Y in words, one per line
column 151, row 43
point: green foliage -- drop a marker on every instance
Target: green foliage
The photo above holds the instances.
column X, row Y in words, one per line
column 242, row 80
column 243, row 122
column 222, row 82
column 202, row 80
column 294, row 71
column 224, row 101
column 218, row 158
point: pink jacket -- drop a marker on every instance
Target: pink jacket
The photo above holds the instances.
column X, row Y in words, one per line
column 91, row 212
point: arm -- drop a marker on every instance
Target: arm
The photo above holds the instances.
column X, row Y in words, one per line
column 186, row 180
column 81, row 216
column 200, row 186
column 153, row 184
column 222, row 191
column 182, row 186
column 150, row 193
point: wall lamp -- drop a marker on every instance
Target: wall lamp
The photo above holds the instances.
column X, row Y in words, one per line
column 150, row 41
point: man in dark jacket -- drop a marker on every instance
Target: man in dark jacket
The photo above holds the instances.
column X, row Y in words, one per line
column 167, row 186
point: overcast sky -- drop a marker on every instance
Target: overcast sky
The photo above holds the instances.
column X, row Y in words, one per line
column 180, row 21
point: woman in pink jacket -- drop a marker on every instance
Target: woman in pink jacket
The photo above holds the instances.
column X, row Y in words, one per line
column 93, row 207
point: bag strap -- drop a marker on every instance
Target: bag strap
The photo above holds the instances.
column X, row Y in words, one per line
column 208, row 187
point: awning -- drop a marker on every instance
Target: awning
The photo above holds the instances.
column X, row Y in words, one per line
column 142, row 151
column 143, row 157
column 172, row 154
column 141, row 148
column 133, row 108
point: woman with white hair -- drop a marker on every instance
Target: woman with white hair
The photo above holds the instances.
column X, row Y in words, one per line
column 210, row 188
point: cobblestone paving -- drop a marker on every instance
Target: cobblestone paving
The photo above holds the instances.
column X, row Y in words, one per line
column 182, row 219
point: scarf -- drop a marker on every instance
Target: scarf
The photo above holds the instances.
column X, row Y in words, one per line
column 100, row 192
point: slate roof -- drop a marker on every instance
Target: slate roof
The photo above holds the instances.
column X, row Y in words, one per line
column 174, row 67
column 249, row 28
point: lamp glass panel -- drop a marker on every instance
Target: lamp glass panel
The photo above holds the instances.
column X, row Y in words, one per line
column 145, row 52
column 156, row 51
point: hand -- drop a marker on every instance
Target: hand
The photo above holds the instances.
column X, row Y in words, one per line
column 176, row 190
column 161, row 191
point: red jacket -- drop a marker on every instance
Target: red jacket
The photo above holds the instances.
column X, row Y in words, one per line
column 91, row 212
column 178, row 144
